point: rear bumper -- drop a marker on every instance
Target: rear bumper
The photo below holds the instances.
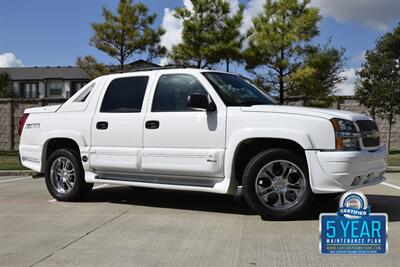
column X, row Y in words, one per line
column 337, row 171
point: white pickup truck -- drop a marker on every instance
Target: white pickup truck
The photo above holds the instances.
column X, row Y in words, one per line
column 199, row 130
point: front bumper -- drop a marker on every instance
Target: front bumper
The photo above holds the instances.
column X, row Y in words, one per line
column 338, row 171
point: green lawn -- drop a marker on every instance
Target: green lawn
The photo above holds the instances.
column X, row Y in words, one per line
column 394, row 159
column 9, row 161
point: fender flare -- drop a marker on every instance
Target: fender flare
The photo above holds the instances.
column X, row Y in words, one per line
column 75, row 136
column 300, row 137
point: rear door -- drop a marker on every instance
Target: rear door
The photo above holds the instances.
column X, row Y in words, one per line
column 117, row 126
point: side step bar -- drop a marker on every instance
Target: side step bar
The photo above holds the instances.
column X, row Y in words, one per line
column 162, row 179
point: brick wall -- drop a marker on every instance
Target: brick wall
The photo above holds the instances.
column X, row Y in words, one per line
column 5, row 125
column 10, row 113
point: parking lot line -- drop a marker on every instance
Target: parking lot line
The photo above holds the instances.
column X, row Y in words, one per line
column 391, row 185
column 15, row 179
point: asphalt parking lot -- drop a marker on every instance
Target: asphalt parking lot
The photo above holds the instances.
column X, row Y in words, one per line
column 123, row 226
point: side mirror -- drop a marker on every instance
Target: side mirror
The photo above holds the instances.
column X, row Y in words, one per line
column 201, row 102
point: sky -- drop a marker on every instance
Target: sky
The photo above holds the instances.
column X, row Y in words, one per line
column 56, row 32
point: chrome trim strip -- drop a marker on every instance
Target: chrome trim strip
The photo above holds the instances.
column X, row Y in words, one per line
column 161, row 179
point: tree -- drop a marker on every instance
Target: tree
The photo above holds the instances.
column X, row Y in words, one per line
column 210, row 34
column 127, row 33
column 230, row 41
column 92, row 67
column 5, row 86
column 378, row 82
column 318, row 74
column 367, row 83
column 277, row 40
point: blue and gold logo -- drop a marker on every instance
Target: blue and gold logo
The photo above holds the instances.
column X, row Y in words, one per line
column 353, row 229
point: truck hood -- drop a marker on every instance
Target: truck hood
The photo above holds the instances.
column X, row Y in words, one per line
column 46, row 109
column 306, row 111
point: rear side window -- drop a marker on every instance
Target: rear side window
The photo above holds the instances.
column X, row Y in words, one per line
column 173, row 90
column 125, row 95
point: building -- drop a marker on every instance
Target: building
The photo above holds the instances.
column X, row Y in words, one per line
column 46, row 82
column 54, row 82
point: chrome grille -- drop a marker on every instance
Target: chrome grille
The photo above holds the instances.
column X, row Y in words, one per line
column 369, row 133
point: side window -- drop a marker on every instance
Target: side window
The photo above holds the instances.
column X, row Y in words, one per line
column 172, row 92
column 125, row 95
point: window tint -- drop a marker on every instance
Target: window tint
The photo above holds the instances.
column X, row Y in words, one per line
column 236, row 91
column 125, row 95
column 172, row 92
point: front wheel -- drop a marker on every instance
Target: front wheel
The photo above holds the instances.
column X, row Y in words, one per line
column 276, row 184
column 64, row 175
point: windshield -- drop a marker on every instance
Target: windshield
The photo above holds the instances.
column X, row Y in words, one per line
column 236, row 91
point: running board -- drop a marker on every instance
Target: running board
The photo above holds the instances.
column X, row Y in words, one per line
column 161, row 179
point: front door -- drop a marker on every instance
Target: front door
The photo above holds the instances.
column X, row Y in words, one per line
column 117, row 127
column 179, row 140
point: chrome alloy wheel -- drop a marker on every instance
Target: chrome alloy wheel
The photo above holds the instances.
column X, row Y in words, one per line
column 62, row 175
column 280, row 184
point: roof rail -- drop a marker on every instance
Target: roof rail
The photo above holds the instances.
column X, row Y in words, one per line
column 157, row 68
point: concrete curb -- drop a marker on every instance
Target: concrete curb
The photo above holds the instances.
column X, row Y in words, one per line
column 17, row 173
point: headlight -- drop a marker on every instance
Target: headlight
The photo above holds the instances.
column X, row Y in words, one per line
column 346, row 135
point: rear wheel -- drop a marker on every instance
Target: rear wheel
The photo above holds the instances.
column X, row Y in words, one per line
column 64, row 175
column 276, row 184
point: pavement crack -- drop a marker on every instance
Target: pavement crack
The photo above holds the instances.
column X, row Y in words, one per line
column 80, row 237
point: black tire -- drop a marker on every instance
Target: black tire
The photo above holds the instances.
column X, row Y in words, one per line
column 80, row 188
column 249, row 185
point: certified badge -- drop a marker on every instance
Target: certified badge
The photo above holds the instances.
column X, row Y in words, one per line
column 353, row 205
column 353, row 229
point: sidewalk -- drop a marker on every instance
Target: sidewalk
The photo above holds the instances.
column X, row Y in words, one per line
column 17, row 173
